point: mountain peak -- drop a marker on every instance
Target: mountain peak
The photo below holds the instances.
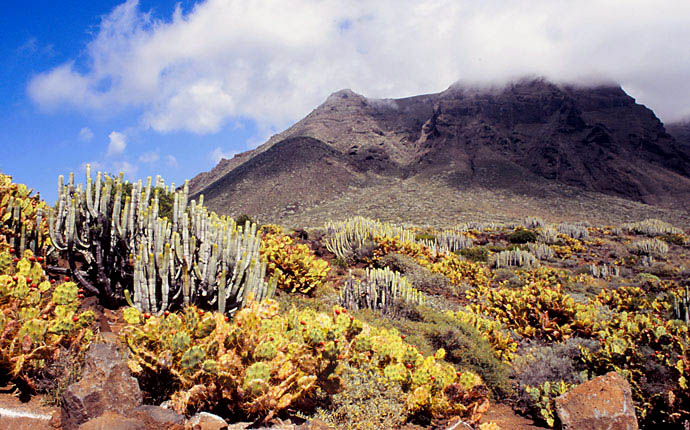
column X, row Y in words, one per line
column 520, row 139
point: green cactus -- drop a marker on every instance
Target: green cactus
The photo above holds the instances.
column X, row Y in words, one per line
column 34, row 328
column 179, row 342
column 192, row 358
column 315, row 337
column 131, row 315
column 396, row 372
column 205, row 327
column 256, row 377
column 65, row 293
column 5, row 261
column 362, row 343
column 210, row 366
column 266, row 351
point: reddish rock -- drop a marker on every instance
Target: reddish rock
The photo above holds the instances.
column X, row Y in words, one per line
column 206, row 421
column 15, row 415
column 315, row 424
column 158, row 417
column 603, row 403
column 113, row 421
column 106, row 385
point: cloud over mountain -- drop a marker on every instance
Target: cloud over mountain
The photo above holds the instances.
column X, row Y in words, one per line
column 272, row 61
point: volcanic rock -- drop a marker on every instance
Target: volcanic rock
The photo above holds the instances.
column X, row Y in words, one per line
column 604, row 403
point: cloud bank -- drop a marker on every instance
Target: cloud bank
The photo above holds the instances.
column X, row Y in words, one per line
column 274, row 61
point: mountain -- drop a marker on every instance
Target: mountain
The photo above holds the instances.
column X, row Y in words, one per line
column 528, row 147
column 681, row 132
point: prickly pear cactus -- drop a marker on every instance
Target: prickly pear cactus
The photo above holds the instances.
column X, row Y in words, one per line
column 263, row 361
column 192, row 358
column 35, row 322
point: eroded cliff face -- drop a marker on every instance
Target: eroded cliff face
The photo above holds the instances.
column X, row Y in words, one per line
column 520, row 138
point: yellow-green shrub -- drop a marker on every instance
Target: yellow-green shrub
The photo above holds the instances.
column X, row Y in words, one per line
column 294, row 265
column 264, row 362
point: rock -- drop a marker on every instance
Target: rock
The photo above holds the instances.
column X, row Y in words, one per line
column 158, row 417
column 15, row 415
column 315, row 424
column 106, row 385
column 603, row 403
column 113, row 421
column 206, row 421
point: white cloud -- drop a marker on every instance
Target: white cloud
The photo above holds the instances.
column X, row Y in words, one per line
column 171, row 161
column 129, row 169
column 273, row 61
column 217, row 154
column 85, row 134
column 117, row 144
column 149, row 157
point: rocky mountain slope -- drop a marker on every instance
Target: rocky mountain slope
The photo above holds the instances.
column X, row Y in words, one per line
column 681, row 132
column 529, row 146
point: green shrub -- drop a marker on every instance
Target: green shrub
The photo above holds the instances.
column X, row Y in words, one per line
column 243, row 218
column 429, row 329
column 425, row 236
column 367, row 402
column 521, row 235
column 674, row 238
column 540, row 367
column 477, row 253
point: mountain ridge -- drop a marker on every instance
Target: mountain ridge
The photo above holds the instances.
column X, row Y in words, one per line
column 529, row 134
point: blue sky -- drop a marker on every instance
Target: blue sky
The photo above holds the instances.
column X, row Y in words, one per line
column 155, row 87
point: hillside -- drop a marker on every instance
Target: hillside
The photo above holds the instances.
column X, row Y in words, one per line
column 523, row 148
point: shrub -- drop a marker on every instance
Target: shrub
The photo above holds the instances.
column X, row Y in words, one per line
column 243, row 218
column 522, row 235
column 266, row 361
column 367, row 402
column 293, row 266
column 674, row 238
column 477, row 253
column 420, row 277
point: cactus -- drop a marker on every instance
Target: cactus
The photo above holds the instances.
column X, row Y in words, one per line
column 541, row 251
column 196, row 257
column 649, row 248
column 179, row 342
column 575, row 231
column 380, row 290
column 35, row 323
column 192, row 358
column 514, row 258
column 651, row 227
column 205, row 327
column 346, row 236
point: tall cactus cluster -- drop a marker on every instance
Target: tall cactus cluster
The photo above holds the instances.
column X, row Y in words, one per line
column 21, row 217
column 379, row 290
column 450, row 240
column 681, row 305
column 651, row 227
column 196, row 256
column 344, row 237
column 603, row 271
column 515, row 258
column 576, row 231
